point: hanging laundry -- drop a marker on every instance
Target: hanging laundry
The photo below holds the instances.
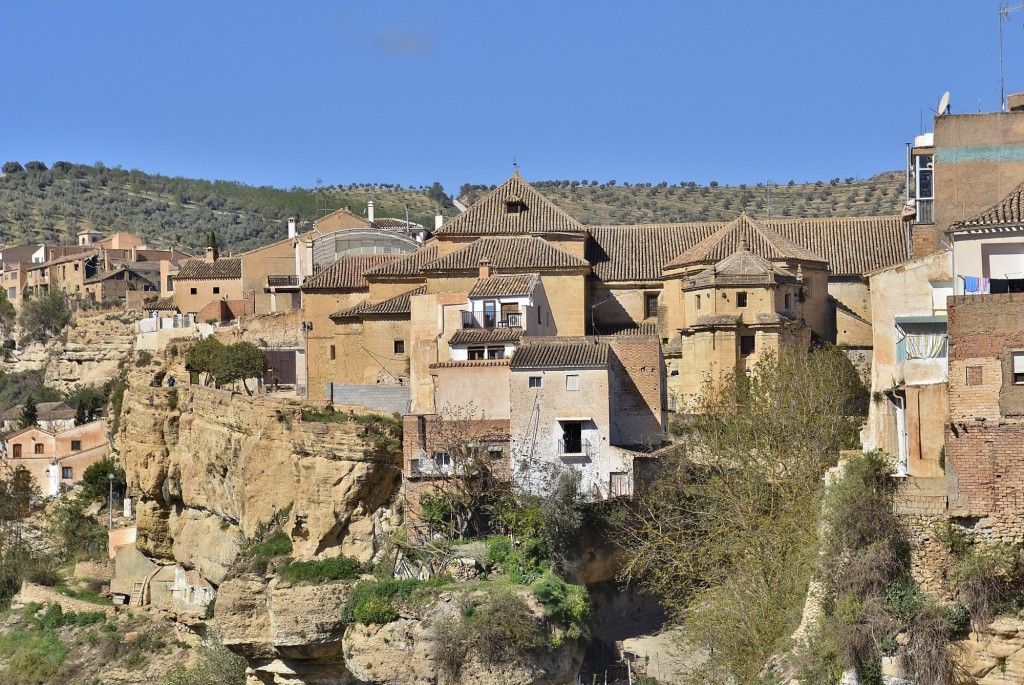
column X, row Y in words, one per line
column 984, row 284
column 1017, row 285
column 970, row 284
column 999, row 286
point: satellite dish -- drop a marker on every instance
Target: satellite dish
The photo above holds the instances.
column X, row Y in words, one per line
column 944, row 104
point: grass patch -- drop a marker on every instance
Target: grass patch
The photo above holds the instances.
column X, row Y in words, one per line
column 277, row 545
column 383, row 431
column 375, row 602
column 320, row 571
column 84, row 594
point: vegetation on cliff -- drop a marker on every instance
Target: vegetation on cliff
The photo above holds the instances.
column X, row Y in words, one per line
column 726, row 531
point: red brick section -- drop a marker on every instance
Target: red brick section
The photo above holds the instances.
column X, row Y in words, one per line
column 986, row 458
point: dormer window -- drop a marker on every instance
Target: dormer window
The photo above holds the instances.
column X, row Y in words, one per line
column 515, row 206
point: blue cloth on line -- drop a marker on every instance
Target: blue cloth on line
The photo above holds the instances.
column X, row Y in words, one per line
column 970, row 284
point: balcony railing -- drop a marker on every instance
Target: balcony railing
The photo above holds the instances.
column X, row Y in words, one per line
column 575, row 447
column 492, row 320
column 283, row 281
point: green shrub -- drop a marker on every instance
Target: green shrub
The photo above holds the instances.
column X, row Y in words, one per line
column 375, row 601
column 903, row 598
column 568, row 605
column 277, row 545
column 143, row 359
column 172, row 399
column 214, row 664
column 31, row 657
column 320, row 571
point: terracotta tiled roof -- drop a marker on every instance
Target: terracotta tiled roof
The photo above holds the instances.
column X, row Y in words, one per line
column 508, row 253
column 482, row 336
column 490, row 215
column 391, row 223
column 741, row 267
column 853, row 246
column 399, row 304
column 347, row 272
column 45, row 411
column 1007, row 211
column 463, row 363
column 107, row 275
column 637, row 253
column 160, row 304
column 407, row 265
column 511, row 285
column 759, row 239
column 202, row 270
column 66, row 259
column 629, row 329
column 538, row 353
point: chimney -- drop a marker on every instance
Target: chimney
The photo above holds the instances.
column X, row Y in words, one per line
column 209, row 255
column 485, row 268
column 134, row 254
column 291, row 227
column 369, row 211
column 438, row 220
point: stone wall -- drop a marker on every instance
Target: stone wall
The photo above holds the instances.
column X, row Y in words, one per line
column 387, row 398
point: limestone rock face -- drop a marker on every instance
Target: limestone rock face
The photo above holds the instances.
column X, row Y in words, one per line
column 996, row 657
column 97, row 343
column 212, row 466
column 401, row 652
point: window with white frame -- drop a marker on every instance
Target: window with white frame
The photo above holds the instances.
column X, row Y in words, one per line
column 536, row 381
column 1018, row 368
column 572, row 381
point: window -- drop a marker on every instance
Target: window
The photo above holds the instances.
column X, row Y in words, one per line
column 332, row 352
column 490, row 313
column 746, row 345
column 789, row 301
column 216, row 290
column 1018, row 368
column 39, row 448
column 442, row 459
column 17, row 451
column 536, row 381
column 974, row 375
column 193, row 291
column 76, row 445
column 741, row 299
column 572, row 437
column 618, row 484
column 540, row 320
column 66, row 472
column 76, row 267
column 495, row 352
column 477, row 352
column 399, row 347
column 697, row 299
column 572, row 382
column 515, row 207
column 651, row 305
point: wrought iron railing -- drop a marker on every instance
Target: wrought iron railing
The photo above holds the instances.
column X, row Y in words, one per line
column 574, row 447
column 491, row 320
column 282, row 281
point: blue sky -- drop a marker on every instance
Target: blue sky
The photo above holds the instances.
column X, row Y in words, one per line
column 283, row 93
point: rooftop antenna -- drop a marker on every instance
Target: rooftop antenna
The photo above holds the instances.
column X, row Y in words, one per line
column 1004, row 15
column 944, row 104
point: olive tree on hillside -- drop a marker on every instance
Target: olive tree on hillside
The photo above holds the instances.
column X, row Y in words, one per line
column 726, row 530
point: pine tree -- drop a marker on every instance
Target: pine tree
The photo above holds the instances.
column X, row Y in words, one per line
column 80, row 416
column 29, row 413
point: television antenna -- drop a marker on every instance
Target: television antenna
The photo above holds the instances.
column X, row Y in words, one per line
column 1004, row 15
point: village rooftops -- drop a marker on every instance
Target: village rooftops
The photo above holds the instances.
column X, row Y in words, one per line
column 560, row 352
column 483, row 336
column 202, row 270
column 741, row 268
column 406, row 266
column 513, row 208
column 853, row 246
column 754, row 236
column 510, row 285
column 395, row 306
column 509, row 253
column 45, row 411
column 160, row 304
column 347, row 272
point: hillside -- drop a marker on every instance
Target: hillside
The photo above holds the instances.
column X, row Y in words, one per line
column 39, row 204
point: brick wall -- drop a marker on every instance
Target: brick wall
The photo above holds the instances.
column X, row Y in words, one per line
column 985, row 435
column 635, row 389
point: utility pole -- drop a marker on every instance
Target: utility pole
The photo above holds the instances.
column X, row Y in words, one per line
column 110, row 503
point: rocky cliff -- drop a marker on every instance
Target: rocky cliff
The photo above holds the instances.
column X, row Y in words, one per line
column 211, row 467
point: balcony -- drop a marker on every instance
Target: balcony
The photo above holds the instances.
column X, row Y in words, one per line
column 492, row 319
column 574, row 448
column 283, row 282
